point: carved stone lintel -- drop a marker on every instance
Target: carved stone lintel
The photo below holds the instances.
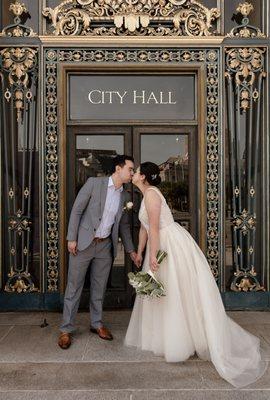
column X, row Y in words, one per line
column 123, row 17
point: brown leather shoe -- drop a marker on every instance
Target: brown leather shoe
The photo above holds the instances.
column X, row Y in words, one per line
column 64, row 340
column 103, row 333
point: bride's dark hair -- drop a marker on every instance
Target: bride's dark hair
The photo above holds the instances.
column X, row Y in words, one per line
column 151, row 172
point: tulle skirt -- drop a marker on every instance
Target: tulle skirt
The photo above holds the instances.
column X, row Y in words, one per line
column 191, row 317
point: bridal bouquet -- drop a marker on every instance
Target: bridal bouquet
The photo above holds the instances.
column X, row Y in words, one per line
column 145, row 283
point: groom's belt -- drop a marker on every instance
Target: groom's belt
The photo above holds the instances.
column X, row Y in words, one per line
column 99, row 239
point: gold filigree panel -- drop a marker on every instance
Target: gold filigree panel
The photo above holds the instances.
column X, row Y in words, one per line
column 19, row 62
column 136, row 17
column 17, row 29
column 245, row 30
column 19, row 67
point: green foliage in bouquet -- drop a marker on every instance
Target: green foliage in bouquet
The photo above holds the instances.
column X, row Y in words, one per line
column 145, row 283
column 160, row 256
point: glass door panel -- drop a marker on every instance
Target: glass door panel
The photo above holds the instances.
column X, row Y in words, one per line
column 174, row 153
column 170, row 152
column 94, row 154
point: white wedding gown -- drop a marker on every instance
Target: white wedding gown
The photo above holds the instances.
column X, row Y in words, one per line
column 191, row 317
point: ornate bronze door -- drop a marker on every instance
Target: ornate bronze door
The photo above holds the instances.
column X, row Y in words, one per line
column 89, row 152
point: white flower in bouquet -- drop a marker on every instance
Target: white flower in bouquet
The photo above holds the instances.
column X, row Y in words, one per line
column 145, row 283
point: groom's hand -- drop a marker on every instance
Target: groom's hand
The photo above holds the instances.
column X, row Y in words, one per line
column 138, row 260
column 133, row 256
column 72, row 247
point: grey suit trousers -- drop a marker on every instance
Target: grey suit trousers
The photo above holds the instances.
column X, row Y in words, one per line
column 100, row 257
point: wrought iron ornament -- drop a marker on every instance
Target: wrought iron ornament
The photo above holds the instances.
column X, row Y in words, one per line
column 52, row 243
column 17, row 29
column 132, row 17
column 19, row 87
column 245, row 63
column 19, row 62
column 244, row 75
column 244, row 30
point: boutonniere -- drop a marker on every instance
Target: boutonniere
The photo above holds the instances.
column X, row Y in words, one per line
column 128, row 206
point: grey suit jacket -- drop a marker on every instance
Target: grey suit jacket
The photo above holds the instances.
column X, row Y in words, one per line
column 87, row 212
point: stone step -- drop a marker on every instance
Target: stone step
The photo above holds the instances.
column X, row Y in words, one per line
column 33, row 367
column 120, row 376
column 188, row 394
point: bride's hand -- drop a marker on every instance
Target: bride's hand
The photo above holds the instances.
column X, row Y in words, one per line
column 153, row 264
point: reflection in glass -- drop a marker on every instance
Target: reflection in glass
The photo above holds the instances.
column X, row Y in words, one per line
column 94, row 155
column 171, row 153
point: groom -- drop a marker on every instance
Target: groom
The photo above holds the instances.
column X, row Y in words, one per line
column 97, row 216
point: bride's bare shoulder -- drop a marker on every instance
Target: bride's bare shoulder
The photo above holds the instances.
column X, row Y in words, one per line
column 152, row 195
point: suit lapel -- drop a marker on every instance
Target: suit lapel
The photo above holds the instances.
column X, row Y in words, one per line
column 121, row 205
column 103, row 194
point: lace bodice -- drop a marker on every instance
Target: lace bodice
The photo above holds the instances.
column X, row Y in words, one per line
column 166, row 217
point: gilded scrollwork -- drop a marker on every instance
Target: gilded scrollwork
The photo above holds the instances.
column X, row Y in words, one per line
column 151, row 18
column 247, row 282
column 20, row 283
column 244, row 30
column 19, row 223
column 244, row 221
column 245, row 63
column 141, row 56
column 19, row 62
column 17, row 29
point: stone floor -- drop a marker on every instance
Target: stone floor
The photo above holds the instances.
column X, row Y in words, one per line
column 32, row 366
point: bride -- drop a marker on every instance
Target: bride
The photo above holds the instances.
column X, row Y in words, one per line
column 191, row 317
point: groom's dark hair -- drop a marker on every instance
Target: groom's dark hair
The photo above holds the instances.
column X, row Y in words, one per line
column 120, row 160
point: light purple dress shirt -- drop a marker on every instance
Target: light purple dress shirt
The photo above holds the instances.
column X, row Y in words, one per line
column 110, row 210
